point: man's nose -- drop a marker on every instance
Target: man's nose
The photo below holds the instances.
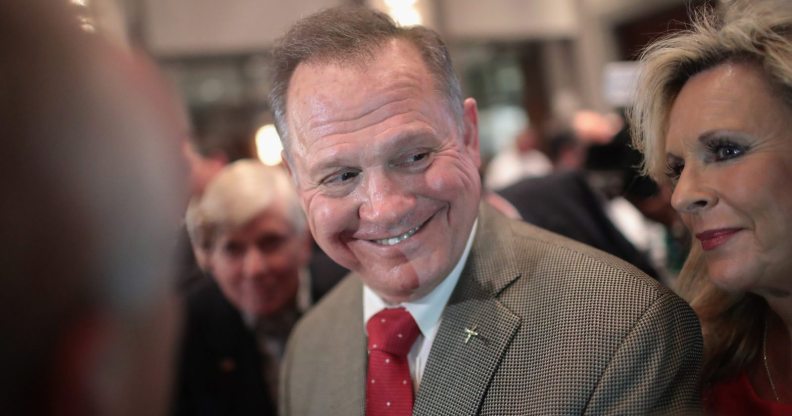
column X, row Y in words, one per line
column 691, row 195
column 387, row 198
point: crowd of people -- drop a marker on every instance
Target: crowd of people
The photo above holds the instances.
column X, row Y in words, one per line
column 154, row 271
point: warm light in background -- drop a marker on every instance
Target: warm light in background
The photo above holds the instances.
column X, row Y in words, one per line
column 404, row 12
column 268, row 145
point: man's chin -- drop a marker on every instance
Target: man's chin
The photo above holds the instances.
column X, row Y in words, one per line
column 406, row 289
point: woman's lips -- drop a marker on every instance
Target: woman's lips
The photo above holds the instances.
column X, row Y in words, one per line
column 715, row 238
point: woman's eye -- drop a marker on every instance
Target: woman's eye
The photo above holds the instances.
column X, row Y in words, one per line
column 674, row 170
column 728, row 152
column 725, row 150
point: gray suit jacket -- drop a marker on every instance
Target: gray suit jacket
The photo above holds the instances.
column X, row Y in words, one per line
column 563, row 329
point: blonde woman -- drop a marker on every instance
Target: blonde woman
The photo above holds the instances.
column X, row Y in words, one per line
column 713, row 115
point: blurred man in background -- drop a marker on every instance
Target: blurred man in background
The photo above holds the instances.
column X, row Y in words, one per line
column 250, row 234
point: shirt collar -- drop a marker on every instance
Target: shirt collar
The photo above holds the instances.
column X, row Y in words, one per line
column 427, row 310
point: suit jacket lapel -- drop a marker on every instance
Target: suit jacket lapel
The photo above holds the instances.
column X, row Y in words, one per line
column 458, row 372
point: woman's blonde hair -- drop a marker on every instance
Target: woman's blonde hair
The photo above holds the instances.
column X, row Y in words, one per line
column 755, row 32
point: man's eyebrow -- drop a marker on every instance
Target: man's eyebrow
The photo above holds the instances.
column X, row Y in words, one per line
column 407, row 137
column 327, row 164
column 397, row 141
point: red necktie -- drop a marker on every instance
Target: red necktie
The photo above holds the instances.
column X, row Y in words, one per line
column 389, row 389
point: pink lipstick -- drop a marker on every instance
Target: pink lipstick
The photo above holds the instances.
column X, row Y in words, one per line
column 715, row 238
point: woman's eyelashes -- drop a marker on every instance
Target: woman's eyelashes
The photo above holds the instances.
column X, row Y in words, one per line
column 721, row 149
column 674, row 166
column 715, row 149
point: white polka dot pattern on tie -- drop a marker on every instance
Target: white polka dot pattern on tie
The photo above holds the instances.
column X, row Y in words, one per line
column 391, row 334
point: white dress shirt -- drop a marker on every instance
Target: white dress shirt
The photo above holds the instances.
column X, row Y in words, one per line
column 426, row 311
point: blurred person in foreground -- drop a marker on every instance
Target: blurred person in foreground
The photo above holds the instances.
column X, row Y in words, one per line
column 92, row 187
column 713, row 116
column 250, row 233
column 463, row 310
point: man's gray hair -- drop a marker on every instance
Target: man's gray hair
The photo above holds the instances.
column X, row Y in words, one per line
column 237, row 195
column 355, row 34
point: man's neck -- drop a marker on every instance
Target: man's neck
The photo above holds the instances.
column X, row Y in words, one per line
column 426, row 309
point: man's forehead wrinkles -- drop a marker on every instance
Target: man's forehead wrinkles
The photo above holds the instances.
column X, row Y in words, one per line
column 392, row 88
column 323, row 125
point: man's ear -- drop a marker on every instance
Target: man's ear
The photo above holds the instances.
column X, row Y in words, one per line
column 470, row 134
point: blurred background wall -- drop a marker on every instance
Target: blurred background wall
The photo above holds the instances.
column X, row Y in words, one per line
column 525, row 61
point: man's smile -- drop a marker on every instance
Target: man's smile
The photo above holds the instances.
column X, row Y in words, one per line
column 397, row 239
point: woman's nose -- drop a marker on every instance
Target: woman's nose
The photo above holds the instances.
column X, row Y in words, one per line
column 691, row 194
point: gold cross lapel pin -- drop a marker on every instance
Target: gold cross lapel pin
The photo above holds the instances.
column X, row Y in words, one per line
column 470, row 333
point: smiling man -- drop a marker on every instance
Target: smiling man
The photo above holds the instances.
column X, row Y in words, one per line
column 451, row 308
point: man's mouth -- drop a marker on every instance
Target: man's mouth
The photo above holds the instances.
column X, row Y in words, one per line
column 397, row 239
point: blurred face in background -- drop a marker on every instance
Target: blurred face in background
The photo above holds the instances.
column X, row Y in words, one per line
column 257, row 265
column 387, row 177
column 729, row 151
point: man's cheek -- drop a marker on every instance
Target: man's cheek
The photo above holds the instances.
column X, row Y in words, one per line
column 443, row 183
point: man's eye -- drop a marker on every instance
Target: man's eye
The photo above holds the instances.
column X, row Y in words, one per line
column 414, row 159
column 233, row 249
column 341, row 177
column 271, row 243
column 347, row 176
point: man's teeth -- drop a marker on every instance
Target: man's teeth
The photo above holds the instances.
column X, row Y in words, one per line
column 395, row 240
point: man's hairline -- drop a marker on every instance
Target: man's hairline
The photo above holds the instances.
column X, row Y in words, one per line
column 362, row 60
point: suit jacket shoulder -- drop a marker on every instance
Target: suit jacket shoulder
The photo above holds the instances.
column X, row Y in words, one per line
column 562, row 328
column 323, row 372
